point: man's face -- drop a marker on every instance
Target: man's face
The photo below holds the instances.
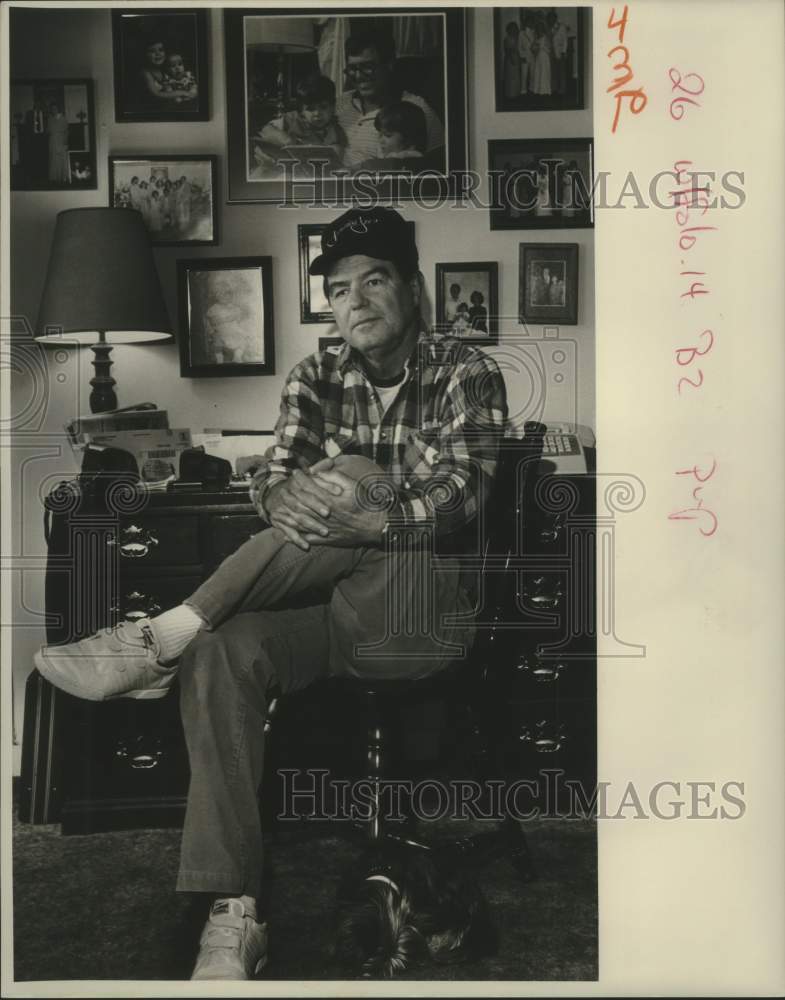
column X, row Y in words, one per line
column 373, row 306
column 367, row 73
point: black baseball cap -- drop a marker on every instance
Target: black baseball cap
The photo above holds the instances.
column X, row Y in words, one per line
column 372, row 232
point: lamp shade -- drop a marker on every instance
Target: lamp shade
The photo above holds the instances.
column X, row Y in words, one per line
column 102, row 280
column 280, row 34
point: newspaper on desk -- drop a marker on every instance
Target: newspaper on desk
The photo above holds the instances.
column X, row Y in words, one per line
column 156, row 450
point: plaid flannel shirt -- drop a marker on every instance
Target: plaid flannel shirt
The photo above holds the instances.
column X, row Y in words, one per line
column 438, row 441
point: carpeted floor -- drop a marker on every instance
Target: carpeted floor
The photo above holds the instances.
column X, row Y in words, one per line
column 103, row 906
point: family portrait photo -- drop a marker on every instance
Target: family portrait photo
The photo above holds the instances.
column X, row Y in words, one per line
column 52, row 135
column 340, row 96
column 226, row 316
column 538, row 58
column 175, row 196
column 548, row 283
column 467, row 300
column 541, row 183
column 160, row 65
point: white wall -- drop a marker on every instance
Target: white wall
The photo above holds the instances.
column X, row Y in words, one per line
column 78, row 43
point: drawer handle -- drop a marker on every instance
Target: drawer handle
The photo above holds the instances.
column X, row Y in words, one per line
column 136, row 605
column 135, row 542
column 144, row 761
column 547, row 673
column 545, row 600
column 545, row 737
column 136, row 756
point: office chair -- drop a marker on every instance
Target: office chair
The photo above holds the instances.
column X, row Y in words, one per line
column 475, row 682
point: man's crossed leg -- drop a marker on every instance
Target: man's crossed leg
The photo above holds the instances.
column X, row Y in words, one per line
column 235, row 639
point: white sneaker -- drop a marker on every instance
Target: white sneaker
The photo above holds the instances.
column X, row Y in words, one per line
column 121, row 662
column 233, row 945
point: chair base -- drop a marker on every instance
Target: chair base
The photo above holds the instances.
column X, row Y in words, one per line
column 507, row 841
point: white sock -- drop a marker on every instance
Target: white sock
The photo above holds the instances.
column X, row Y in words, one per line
column 248, row 902
column 174, row 629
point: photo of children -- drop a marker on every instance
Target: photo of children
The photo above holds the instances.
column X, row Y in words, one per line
column 466, row 299
column 175, row 197
column 359, row 93
column 160, row 66
column 539, row 58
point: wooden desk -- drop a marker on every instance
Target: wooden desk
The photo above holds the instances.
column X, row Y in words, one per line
column 121, row 763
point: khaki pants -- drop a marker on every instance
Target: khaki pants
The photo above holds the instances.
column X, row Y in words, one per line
column 380, row 614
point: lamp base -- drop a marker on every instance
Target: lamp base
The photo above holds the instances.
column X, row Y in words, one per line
column 103, row 397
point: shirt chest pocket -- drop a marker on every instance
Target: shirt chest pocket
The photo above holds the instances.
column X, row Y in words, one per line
column 342, row 442
column 421, row 455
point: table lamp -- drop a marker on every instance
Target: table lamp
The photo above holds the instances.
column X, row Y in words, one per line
column 281, row 36
column 101, row 289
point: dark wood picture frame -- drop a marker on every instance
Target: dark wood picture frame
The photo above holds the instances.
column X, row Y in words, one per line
column 459, row 322
column 204, row 224
column 541, row 183
column 308, row 240
column 260, row 86
column 557, row 81
column 548, row 283
column 174, row 31
column 201, row 342
column 52, row 152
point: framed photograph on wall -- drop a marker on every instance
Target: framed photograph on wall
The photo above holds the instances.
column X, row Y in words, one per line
column 538, row 58
column 52, row 135
column 541, row 183
column 314, row 307
column 160, row 65
column 323, row 104
column 548, row 283
column 226, row 316
column 467, row 300
column 175, row 194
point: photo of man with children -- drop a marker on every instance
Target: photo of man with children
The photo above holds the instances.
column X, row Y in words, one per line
column 360, row 93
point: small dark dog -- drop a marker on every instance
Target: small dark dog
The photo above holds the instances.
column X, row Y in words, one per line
column 407, row 908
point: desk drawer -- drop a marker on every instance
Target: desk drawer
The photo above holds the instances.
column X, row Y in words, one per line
column 158, row 541
column 142, row 596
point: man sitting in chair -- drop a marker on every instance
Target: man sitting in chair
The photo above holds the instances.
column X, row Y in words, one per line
column 384, row 454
